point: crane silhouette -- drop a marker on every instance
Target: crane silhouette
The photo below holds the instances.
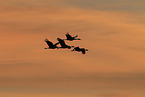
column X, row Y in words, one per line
column 83, row 50
column 70, row 38
column 51, row 45
column 63, row 44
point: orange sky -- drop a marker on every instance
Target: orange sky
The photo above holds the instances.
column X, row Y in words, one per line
column 115, row 37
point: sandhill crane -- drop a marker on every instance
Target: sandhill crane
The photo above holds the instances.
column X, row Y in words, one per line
column 63, row 44
column 83, row 50
column 70, row 38
column 51, row 45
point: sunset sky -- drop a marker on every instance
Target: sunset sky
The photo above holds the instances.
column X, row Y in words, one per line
column 112, row 30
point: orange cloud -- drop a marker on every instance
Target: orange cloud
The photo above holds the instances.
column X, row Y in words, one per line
column 115, row 41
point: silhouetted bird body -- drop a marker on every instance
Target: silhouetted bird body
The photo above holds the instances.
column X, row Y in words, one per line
column 63, row 44
column 50, row 44
column 69, row 37
column 83, row 50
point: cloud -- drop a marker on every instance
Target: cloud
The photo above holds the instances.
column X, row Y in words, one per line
column 103, row 5
column 115, row 40
column 111, row 5
column 111, row 34
column 97, row 84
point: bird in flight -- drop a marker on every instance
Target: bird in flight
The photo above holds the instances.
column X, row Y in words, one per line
column 51, row 45
column 70, row 38
column 63, row 44
column 78, row 49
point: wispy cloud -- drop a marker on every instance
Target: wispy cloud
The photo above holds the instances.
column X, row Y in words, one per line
column 115, row 40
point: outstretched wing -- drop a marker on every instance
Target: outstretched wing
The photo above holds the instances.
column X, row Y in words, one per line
column 62, row 43
column 49, row 43
column 68, row 36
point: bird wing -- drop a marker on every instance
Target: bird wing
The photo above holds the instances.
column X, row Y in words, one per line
column 68, row 36
column 49, row 43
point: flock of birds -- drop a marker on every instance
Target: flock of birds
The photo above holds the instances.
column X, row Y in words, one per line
column 64, row 45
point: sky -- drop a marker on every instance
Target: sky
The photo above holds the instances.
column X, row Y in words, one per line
column 112, row 30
